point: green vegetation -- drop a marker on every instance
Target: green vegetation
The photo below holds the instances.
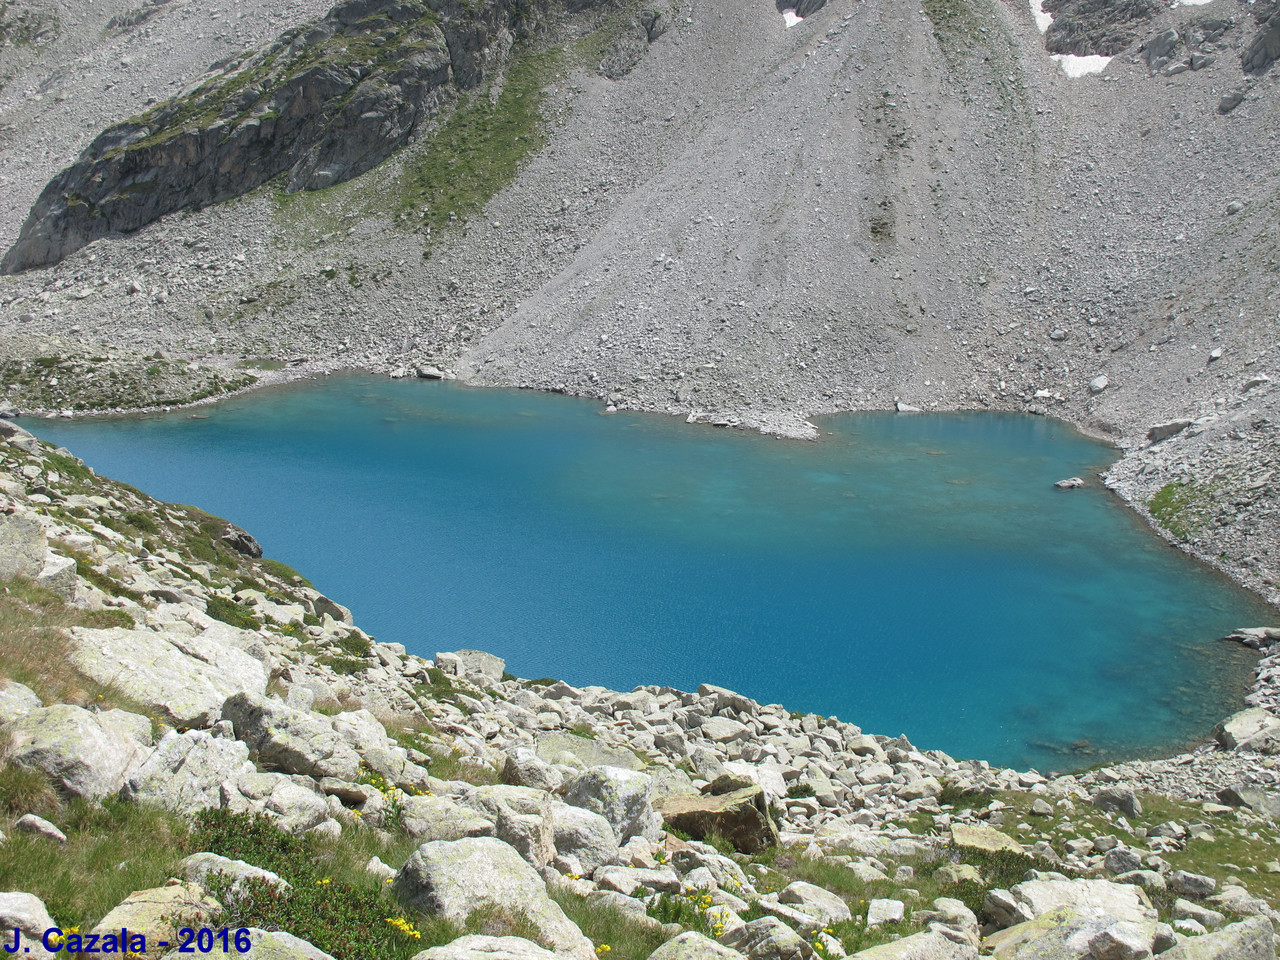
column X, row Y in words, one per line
column 606, row 926
column 479, row 148
column 98, row 383
column 36, row 651
column 285, row 573
column 228, row 611
column 1183, row 508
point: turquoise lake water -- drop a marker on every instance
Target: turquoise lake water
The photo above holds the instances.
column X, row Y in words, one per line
column 911, row 574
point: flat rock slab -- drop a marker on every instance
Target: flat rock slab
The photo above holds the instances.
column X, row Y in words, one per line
column 929, row 945
column 589, row 753
column 984, row 839
column 184, row 679
column 477, row 947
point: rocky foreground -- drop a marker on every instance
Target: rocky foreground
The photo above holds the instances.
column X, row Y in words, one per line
column 157, row 667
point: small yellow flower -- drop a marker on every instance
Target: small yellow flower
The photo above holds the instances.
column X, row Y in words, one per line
column 389, row 880
column 603, row 949
column 326, row 880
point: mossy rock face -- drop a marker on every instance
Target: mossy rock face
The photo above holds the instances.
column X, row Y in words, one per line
column 323, row 104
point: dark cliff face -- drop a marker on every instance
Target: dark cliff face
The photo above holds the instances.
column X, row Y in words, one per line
column 323, row 104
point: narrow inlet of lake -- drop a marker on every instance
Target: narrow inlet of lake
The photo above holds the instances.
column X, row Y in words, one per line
column 911, row 574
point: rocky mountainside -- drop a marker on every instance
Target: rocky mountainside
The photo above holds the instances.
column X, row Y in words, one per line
column 193, row 735
column 695, row 209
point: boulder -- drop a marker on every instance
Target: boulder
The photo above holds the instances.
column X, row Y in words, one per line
column 524, row 768
column 1247, row 940
column 292, row 807
column 67, row 744
column 475, row 664
column 928, row 945
column 475, row 947
column 154, row 913
column 26, row 913
column 882, row 910
column 623, row 797
column 816, row 902
column 741, row 817
column 183, row 679
column 23, row 544
column 1254, row 729
column 58, row 575
column 35, row 826
column 457, row 878
column 1074, row 932
column 368, row 737
column 983, row 839
column 1192, row 884
column 1121, row 901
column 585, row 835
column 289, row 740
column 1260, row 801
column 1163, row 431
column 589, row 753
column 438, row 818
column 275, row 945
column 199, row 867
column 521, row 817
column 186, row 771
column 768, row 939
column 1120, row 799
column 16, row 701
column 724, row 730
column 692, row 945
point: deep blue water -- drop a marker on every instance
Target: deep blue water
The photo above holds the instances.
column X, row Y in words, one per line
column 912, row 574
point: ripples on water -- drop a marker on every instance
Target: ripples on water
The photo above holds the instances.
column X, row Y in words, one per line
column 912, row 574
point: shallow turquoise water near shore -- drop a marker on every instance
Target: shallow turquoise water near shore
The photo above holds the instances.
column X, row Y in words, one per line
column 911, row 574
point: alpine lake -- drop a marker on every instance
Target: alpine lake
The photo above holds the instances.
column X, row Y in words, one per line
column 914, row 574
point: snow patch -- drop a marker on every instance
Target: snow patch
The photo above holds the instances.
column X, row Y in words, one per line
column 1191, row 3
column 1076, row 67
column 1044, row 19
column 790, row 19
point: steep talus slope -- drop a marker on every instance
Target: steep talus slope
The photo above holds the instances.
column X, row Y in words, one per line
column 741, row 221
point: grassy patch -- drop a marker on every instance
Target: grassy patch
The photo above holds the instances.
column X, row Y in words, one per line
column 284, row 572
column 479, row 148
column 334, row 904
column 603, row 925
column 36, row 651
column 120, row 847
column 230, row 612
column 1183, row 508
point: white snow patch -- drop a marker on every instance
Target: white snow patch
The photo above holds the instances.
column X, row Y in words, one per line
column 1191, row 3
column 789, row 17
column 1076, row 67
column 1044, row 19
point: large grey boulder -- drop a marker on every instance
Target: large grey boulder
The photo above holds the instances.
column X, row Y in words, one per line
column 623, row 797
column 26, row 913
column 289, row 740
column 1247, row 940
column 1074, row 931
column 767, row 939
column 183, row 679
column 199, row 868
column 585, row 835
column 155, row 913
column 455, row 879
column 186, row 772
column 438, row 818
column 476, row 947
column 68, row 745
column 928, row 945
column 293, row 807
column 1254, row 729
column 275, row 945
column 553, row 746
column 1261, row 802
column 521, row 817
column 23, row 545
column 1034, row 898
column 692, row 945
column 475, row 664
column 740, row 816
column 815, row 901
column 524, row 768
column 1120, row 799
